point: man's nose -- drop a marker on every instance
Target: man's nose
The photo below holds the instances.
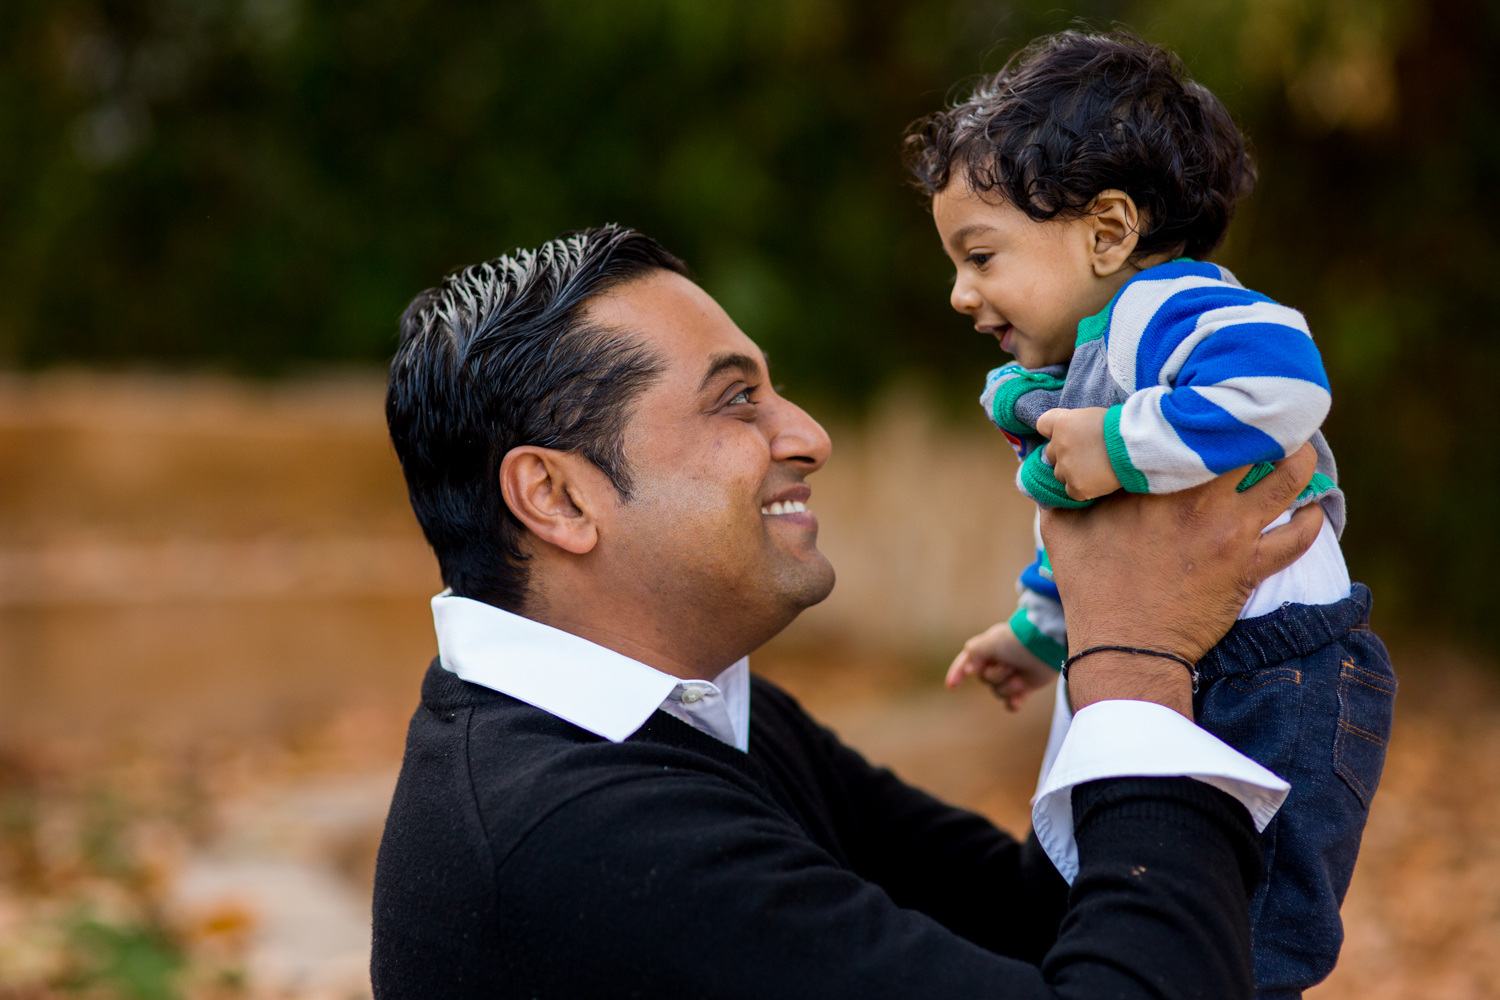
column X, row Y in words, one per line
column 798, row 438
column 964, row 298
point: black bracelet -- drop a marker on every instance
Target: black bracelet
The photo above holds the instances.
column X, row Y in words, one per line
column 1192, row 669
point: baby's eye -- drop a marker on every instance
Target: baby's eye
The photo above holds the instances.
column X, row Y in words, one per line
column 979, row 259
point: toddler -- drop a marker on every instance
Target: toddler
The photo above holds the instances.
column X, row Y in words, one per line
column 1078, row 192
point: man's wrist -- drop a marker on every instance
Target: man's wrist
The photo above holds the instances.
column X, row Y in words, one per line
column 1115, row 676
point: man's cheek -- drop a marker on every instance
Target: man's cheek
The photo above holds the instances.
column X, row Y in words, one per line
column 730, row 481
column 696, row 503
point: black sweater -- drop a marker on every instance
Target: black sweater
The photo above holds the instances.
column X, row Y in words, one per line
column 525, row 857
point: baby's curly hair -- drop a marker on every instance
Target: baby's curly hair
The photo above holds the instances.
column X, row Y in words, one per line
column 1074, row 114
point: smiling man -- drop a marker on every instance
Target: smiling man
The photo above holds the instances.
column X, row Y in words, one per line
column 599, row 800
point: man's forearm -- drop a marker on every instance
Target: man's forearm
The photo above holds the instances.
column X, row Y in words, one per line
column 1160, row 906
column 1160, row 910
column 1113, row 675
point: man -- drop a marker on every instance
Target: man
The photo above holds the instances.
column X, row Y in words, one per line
column 598, row 800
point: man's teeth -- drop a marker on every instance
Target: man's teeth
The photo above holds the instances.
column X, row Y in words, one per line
column 788, row 507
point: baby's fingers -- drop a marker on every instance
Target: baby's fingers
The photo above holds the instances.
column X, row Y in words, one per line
column 1005, row 681
column 1012, row 690
column 995, row 674
column 1015, row 695
column 963, row 666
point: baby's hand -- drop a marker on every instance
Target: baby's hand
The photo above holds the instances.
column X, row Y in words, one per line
column 1009, row 668
column 1077, row 451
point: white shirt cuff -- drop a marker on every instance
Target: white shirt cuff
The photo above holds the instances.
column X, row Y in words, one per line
column 1123, row 739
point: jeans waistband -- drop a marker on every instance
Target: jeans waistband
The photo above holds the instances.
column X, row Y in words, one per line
column 1289, row 632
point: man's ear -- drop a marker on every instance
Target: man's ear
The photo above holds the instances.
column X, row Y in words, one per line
column 556, row 494
column 1115, row 225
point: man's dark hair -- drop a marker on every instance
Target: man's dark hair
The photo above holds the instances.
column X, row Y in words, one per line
column 502, row 355
column 1074, row 114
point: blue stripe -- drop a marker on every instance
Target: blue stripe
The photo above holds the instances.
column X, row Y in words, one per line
column 1179, row 269
column 1222, row 441
column 1167, row 272
column 1176, row 319
column 1254, row 349
column 1033, row 580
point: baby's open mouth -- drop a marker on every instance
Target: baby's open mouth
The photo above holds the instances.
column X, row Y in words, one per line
column 1000, row 331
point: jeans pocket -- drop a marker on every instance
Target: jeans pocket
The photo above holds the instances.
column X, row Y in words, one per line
column 1256, row 679
column 1258, row 712
column 1367, row 702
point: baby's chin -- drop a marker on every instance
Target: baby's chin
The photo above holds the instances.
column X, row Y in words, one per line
column 1031, row 355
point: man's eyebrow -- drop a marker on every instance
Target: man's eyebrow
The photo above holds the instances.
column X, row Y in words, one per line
column 720, row 363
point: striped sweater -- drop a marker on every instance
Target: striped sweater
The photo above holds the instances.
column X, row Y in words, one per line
column 1199, row 375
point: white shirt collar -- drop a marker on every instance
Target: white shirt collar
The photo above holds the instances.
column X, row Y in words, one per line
column 581, row 682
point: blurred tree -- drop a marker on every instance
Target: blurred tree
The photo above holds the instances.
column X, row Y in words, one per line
column 261, row 182
column 1376, row 128
column 264, row 183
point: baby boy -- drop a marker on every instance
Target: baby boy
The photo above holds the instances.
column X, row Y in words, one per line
column 1078, row 193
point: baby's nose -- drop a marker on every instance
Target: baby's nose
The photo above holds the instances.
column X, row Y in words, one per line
column 964, row 298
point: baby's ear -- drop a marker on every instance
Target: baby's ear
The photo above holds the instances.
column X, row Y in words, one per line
column 1116, row 225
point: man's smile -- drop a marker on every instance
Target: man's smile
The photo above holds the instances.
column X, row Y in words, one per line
column 791, row 504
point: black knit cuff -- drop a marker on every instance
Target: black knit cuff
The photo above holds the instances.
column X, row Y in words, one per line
column 1187, row 808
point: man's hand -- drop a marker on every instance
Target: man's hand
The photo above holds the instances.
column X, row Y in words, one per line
column 1170, row 572
column 1077, row 451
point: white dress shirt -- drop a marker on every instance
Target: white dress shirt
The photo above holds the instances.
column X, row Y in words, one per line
column 612, row 696
column 1118, row 739
column 581, row 682
column 1319, row 576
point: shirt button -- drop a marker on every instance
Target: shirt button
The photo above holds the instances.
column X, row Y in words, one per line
column 691, row 695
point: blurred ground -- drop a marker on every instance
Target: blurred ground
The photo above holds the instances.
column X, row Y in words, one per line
column 213, row 620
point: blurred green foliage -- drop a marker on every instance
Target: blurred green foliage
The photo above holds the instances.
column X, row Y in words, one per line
column 85, row 893
column 130, row 962
column 259, row 184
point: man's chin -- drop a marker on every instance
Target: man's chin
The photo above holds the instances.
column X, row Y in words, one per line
column 807, row 582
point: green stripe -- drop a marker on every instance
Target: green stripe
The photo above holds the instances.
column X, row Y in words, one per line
column 1320, row 484
column 1042, row 646
column 1093, row 327
column 1133, row 479
column 1258, row 471
column 1003, row 405
column 1043, row 486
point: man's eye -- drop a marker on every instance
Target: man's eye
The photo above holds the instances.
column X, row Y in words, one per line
column 743, row 396
column 979, row 259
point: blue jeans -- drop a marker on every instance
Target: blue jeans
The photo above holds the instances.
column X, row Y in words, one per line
column 1308, row 691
